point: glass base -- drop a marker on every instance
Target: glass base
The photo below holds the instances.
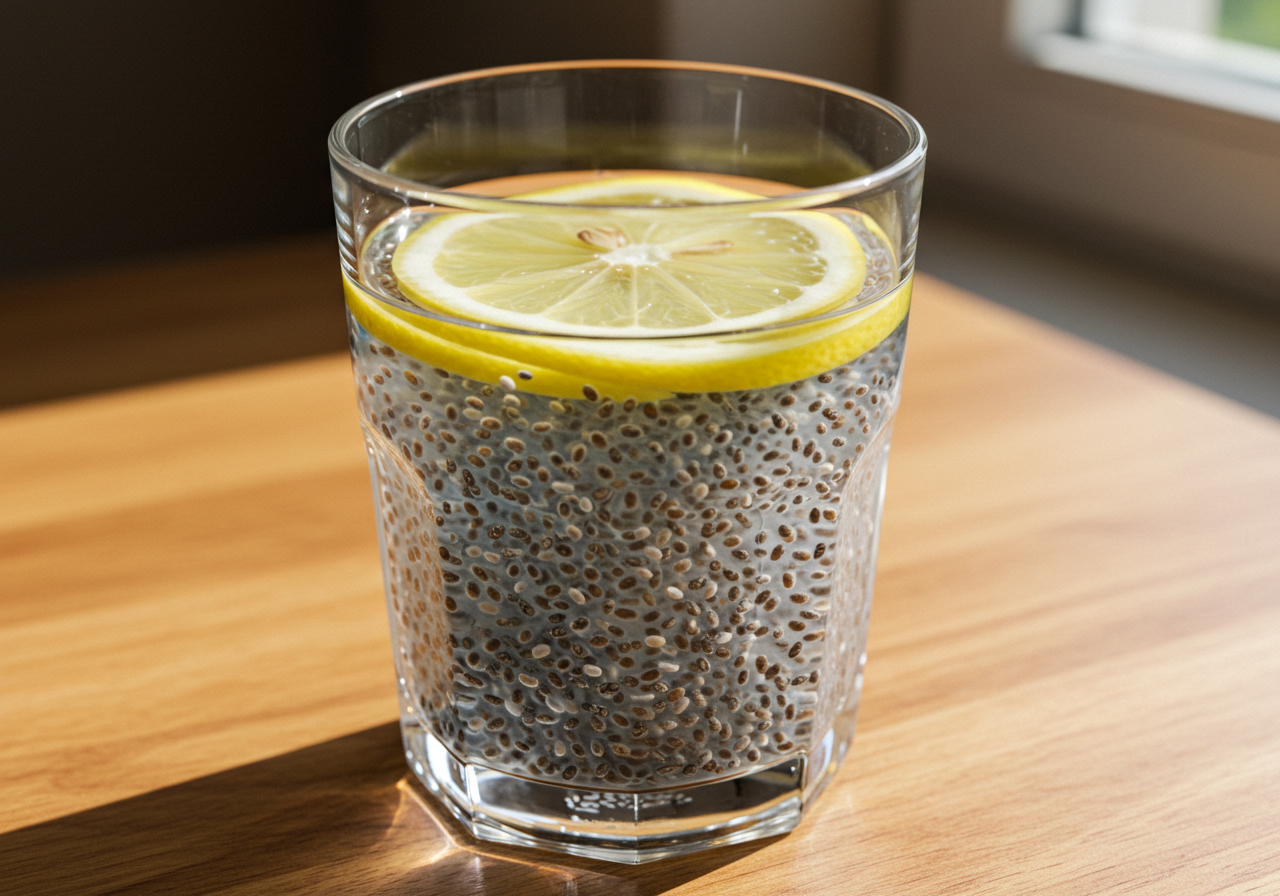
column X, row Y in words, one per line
column 621, row 826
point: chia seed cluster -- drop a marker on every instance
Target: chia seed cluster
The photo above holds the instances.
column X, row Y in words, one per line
column 627, row 595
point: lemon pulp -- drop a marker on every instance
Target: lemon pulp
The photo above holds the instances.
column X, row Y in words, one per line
column 632, row 302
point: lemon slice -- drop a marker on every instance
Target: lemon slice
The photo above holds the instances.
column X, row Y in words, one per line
column 603, row 283
column 619, row 273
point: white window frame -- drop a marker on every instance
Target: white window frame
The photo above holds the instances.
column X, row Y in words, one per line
column 1156, row 46
column 1195, row 185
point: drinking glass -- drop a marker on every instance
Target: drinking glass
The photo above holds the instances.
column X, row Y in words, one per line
column 628, row 577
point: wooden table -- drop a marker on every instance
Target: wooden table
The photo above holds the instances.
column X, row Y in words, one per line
column 1074, row 683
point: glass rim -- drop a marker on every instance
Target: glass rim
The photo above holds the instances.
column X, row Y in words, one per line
column 809, row 197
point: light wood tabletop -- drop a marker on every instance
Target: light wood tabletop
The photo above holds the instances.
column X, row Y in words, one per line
column 1073, row 687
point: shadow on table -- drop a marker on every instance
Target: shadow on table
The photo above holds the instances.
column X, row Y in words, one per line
column 341, row 816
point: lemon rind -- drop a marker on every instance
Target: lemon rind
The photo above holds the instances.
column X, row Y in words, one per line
column 643, row 369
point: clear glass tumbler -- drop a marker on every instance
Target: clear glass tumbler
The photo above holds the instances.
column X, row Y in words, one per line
column 628, row 571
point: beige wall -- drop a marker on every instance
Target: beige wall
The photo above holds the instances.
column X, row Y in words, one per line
column 840, row 40
column 1192, row 188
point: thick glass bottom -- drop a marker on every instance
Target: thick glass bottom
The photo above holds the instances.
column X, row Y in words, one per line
column 623, row 826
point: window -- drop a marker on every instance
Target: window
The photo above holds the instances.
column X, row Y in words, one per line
column 1024, row 117
column 1223, row 53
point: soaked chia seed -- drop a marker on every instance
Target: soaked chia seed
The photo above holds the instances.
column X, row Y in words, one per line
column 627, row 595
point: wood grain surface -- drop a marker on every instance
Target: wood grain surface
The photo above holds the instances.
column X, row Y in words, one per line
column 1072, row 689
column 189, row 314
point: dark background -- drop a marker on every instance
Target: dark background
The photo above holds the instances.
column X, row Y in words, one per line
column 139, row 127
column 164, row 173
